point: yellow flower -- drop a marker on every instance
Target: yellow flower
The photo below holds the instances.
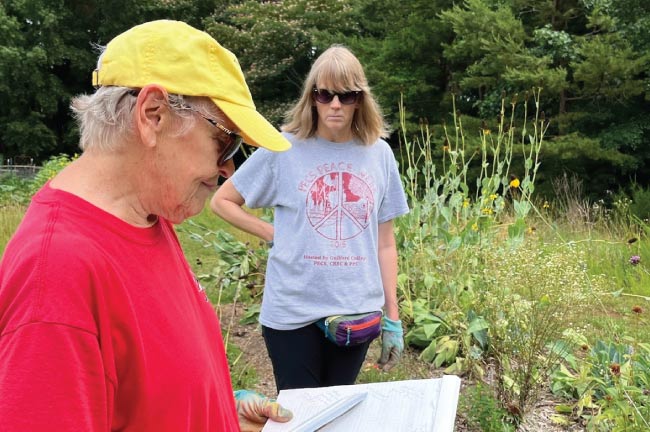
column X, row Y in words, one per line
column 487, row 210
column 546, row 205
column 465, row 203
column 514, row 183
column 493, row 197
column 474, row 226
column 487, row 131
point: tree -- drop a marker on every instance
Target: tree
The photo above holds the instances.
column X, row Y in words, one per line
column 594, row 77
column 47, row 55
column 32, row 53
column 400, row 45
column 276, row 43
column 492, row 52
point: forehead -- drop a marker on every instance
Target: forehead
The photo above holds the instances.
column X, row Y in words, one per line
column 332, row 78
column 336, row 86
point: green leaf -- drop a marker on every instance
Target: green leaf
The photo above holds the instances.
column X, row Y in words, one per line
column 429, row 353
column 563, row 409
column 251, row 315
column 430, row 330
column 478, row 329
column 429, row 280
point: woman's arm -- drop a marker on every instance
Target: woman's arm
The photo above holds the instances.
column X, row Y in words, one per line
column 387, row 251
column 227, row 202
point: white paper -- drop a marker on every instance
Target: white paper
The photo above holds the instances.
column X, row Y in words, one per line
column 400, row 406
column 333, row 411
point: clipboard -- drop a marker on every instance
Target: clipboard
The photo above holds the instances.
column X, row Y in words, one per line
column 332, row 412
column 425, row 405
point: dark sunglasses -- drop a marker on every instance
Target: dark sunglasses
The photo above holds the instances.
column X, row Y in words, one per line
column 326, row 96
column 231, row 147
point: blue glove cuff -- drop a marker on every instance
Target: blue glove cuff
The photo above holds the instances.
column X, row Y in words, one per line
column 392, row 326
column 241, row 394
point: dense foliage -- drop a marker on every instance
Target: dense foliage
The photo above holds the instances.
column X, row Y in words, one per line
column 591, row 57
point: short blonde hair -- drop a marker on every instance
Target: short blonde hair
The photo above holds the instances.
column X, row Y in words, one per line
column 340, row 70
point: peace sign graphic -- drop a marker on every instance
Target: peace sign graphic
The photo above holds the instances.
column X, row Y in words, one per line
column 339, row 205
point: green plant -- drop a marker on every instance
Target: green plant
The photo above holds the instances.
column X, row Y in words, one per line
column 482, row 410
column 445, row 213
column 640, row 202
column 459, row 347
column 453, row 228
column 529, row 296
column 242, row 375
column 14, row 190
column 610, row 383
column 50, row 168
column 237, row 272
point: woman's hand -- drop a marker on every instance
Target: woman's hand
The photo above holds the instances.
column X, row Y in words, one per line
column 392, row 343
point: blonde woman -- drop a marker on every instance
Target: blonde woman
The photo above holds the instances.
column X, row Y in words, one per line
column 334, row 195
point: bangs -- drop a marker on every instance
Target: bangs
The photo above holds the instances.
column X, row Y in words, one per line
column 340, row 75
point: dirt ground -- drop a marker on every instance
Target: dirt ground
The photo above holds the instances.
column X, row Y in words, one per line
column 249, row 340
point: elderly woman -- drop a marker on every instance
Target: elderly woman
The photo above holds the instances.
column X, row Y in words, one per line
column 103, row 326
column 333, row 263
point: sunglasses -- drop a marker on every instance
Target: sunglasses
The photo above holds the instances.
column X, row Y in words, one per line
column 231, row 147
column 326, row 96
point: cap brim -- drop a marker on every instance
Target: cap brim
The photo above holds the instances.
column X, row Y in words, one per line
column 253, row 127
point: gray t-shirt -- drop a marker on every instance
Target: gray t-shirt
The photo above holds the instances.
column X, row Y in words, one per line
column 328, row 200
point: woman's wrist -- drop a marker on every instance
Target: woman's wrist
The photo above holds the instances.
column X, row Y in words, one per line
column 392, row 325
column 391, row 310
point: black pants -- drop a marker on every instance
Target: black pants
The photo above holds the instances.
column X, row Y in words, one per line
column 304, row 358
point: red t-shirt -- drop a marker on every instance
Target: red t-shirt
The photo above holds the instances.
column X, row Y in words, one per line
column 103, row 327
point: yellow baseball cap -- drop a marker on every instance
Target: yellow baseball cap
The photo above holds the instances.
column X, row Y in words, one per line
column 189, row 62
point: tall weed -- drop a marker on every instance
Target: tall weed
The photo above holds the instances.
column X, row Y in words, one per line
column 475, row 283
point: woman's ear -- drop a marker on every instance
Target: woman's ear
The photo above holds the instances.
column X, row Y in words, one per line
column 151, row 111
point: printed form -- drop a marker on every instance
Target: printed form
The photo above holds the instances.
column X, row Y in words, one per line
column 399, row 406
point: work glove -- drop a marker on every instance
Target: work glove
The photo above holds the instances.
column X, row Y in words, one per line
column 392, row 343
column 254, row 409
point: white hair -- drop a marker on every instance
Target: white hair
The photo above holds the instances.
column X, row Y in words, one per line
column 105, row 118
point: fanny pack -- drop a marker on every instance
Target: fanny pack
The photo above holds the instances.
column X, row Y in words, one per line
column 346, row 330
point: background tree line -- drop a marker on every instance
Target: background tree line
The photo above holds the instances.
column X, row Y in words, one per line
column 591, row 57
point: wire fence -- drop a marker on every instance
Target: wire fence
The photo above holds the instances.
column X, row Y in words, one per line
column 21, row 166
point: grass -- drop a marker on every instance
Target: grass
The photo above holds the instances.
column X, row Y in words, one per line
column 10, row 217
